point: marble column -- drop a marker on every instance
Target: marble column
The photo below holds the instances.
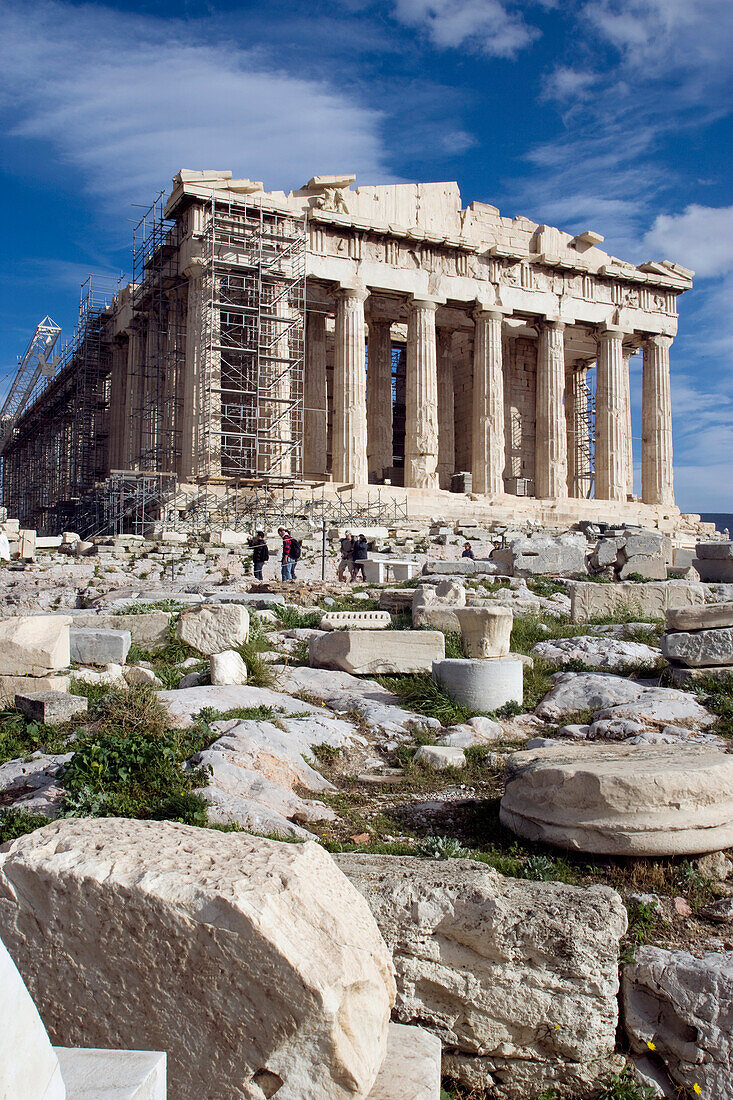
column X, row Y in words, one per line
column 551, row 450
column 349, row 389
column 421, row 397
column 576, row 415
column 117, row 401
column 379, row 398
column 626, row 384
column 611, row 478
column 656, row 432
column 192, row 434
column 446, row 409
column 315, row 397
column 488, row 446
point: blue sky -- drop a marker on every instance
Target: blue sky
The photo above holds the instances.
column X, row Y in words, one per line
column 613, row 115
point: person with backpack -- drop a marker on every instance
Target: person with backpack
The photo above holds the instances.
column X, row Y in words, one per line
column 361, row 553
column 260, row 553
column 286, row 571
column 295, row 552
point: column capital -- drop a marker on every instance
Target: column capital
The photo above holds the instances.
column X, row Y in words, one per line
column 422, row 301
column 551, row 323
column 608, row 332
column 194, row 268
column 490, row 312
column 345, row 290
column 657, row 340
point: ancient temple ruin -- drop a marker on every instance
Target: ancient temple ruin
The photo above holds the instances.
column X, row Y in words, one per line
column 358, row 336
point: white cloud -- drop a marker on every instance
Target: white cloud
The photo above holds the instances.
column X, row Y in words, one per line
column 127, row 100
column 488, row 26
column 700, row 238
column 567, row 84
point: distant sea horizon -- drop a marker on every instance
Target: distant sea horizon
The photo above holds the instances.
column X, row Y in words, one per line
column 723, row 520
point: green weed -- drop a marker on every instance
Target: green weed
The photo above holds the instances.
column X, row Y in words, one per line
column 419, row 692
column 15, row 823
column 292, row 619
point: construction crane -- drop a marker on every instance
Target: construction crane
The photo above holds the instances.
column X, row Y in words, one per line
column 35, row 362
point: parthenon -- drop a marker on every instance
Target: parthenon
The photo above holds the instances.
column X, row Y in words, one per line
column 350, row 335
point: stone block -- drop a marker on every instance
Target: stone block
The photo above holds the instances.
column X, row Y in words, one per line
column 685, row 677
column 355, row 620
column 33, row 645
column 700, row 648
column 396, row 600
column 148, row 631
column 27, row 545
column 436, row 605
column 708, row 617
column 645, row 545
column 411, row 1068
column 564, row 555
column 438, row 757
column 681, row 1005
column 10, row 686
column 29, row 1067
column 650, row 601
column 52, row 708
column 99, row 647
column 485, row 631
column 484, row 962
column 714, row 551
column 714, row 569
column 138, row 674
column 651, row 568
column 258, row 956
column 112, row 1074
column 482, row 685
column 258, row 601
column 212, row 628
column 622, row 800
column 366, row 653
column 228, row 668
column 404, row 570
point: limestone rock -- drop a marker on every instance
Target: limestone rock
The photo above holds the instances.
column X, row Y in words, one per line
column 368, row 653
column 518, row 978
column 260, row 967
column 607, row 654
column 34, row 645
column 682, row 1005
column 10, row 686
column 615, row 697
column 52, row 708
column 137, row 674
column 29, row 1067
column 700, row 648
column 411, row 1068
column 113, row 1074
column 641, row 800
column 148, row 630
column 441, row 756
column 436, row 605
column 214, row 627
column 485, row 631
column 228, row 668
column 183, row 704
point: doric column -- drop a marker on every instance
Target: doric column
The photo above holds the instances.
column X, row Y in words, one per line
column 117, row 398
column 576, row 415
column 656, row 432
column 349, row 389
column 488, row 446
column 192, row 433
column 379, row 398
column 421, row 397
column 446, row 409
column 315, row 397
column 611, row 478
column 626, row 384
column 551, row 452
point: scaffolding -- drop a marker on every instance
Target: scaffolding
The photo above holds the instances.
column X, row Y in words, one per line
column 155, row 379
column 58, row 446
column 582, row 435
column 253, row 301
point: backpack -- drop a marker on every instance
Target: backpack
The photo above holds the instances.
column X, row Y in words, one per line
column 294, row 550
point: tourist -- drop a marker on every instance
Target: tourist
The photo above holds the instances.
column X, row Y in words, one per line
column 347, row 556
column 260, row 553
column 361, row 553
column 287, row 562
column 467, row 551
column 496, row 546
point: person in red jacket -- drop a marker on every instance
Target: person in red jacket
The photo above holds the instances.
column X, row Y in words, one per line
column 287, row 562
